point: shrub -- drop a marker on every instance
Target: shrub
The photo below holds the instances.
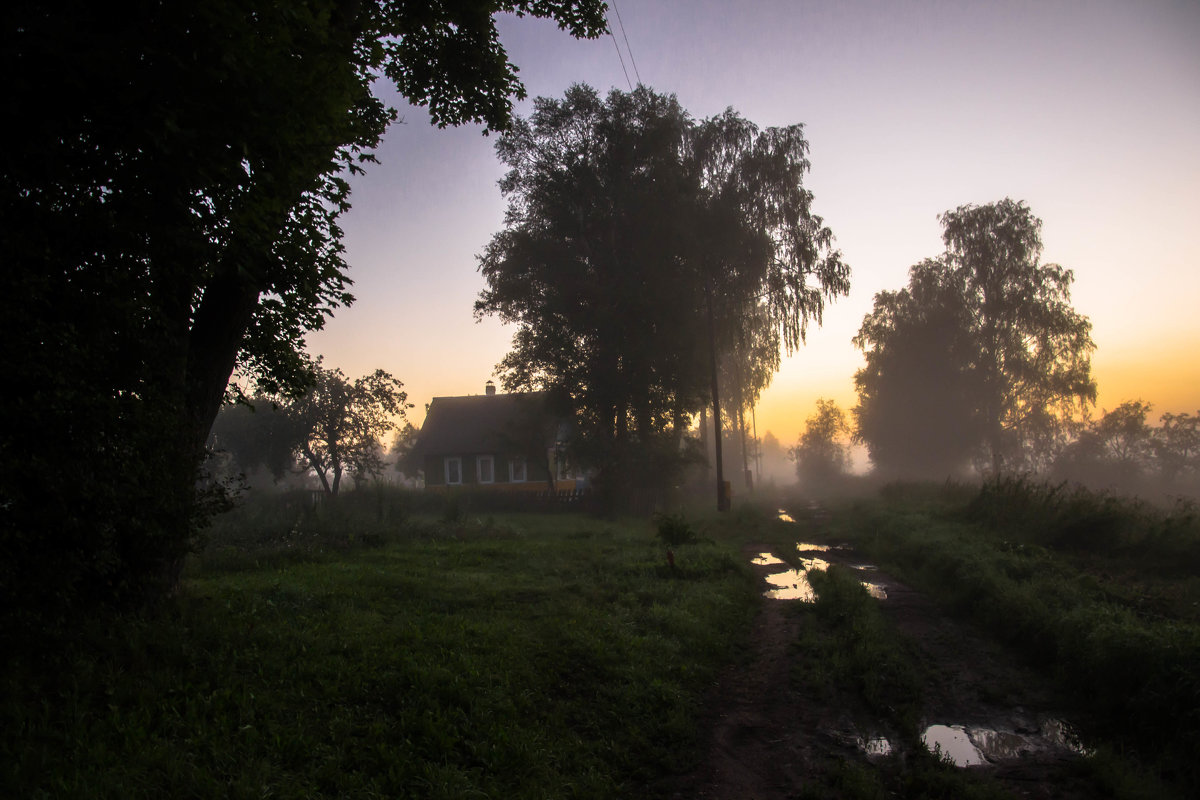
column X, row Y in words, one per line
column 674, row 530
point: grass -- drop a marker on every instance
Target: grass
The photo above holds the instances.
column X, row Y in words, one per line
column 1088, row 587
column 849, row 653
column 367, row 653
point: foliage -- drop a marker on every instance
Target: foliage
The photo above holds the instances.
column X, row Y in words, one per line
column 172, row 211
column 341, row 423
column 822, row 454
column 859, row 650
column 1122, row 451
column 1177, row 445
column 256, row 434
column 1097, row 589
column 403, row 450
column 640, row 244
column 997, row 329
column 1116, row 448
column 916, row 407
column 533, row 657
column 674, row 529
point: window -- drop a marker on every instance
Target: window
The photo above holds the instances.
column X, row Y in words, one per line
column 516, row 469
column 485, row 469
column 453, row 471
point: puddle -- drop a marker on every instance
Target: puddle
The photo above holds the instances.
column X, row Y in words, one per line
column 972, row 746
column 793, row 585
column 1060, row 734
column 790, row 585
column 952, row 742
column 814, row 563
column 785, row 517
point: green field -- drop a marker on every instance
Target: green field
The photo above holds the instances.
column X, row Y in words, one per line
column 357, row 653
column 390, row 646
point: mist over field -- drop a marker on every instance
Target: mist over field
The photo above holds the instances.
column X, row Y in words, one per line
column 557, row 399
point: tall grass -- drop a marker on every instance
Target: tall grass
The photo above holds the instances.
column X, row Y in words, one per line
column 1096, row 589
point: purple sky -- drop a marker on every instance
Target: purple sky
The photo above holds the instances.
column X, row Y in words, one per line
column 1088, row 111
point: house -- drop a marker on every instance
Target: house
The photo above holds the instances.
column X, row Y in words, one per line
column 510, row 442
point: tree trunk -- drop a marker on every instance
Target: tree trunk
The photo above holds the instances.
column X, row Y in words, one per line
column 722, row 497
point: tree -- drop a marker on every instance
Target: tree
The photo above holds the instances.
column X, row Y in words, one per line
column 775, row 458
column 917, row 397
column 403, row 450
column 588, row 267
column 1177, row 445
column 341, row 424
column 1011, row 347
column 1117, row 448
column 172, row 212
column 637, row 243
column 758, row 246
column 745, row 369
column 822, row 454
column 1125, row 437
column 257, row 434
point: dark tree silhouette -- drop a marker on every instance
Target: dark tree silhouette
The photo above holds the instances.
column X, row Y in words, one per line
column 997, row 328
column 917, row 396
column 637, row 244
column 341, row 424
column 172, row 211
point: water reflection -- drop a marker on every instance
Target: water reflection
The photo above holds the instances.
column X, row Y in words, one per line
column 785, row 517
column 814, row 563
column 875, row 590
column 793, row 585
column 1000, row 745
column 1061, row 734
column 972, row 746
column 875, row 746
column 952, row 742
column 790, row 585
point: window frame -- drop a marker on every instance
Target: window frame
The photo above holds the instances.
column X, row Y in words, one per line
column 457, row 461
column 512, row 472
column 491, row 461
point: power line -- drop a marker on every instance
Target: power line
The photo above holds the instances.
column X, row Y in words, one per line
column 628, row 49
column 621, row 57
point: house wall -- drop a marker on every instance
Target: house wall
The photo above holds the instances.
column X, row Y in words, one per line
column 435, row 472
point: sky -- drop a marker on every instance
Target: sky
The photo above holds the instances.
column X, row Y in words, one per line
column 1087, row 110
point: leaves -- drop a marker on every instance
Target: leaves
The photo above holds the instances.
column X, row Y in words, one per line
column 171, row 214
column 631, row 229
column 982, row 352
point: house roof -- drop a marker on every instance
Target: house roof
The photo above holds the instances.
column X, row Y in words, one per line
column 487, row 423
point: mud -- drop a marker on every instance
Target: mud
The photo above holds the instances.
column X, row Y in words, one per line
column 983, row 709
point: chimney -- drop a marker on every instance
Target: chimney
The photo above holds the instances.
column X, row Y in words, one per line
column 489, row 389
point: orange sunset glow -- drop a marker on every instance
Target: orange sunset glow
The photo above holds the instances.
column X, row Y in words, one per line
column 1085, row 111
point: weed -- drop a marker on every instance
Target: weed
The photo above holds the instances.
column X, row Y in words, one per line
column 674, row 530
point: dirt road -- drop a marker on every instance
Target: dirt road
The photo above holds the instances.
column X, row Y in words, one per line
column 768, row 740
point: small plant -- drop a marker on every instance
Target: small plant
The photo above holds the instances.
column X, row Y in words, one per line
column 674, row 530
column 455, row 510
